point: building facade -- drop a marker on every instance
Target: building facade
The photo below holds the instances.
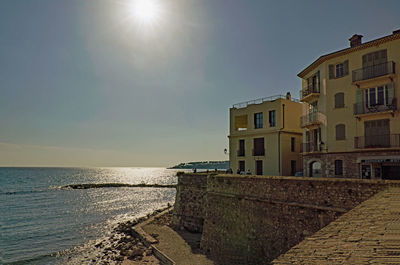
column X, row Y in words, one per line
column 265, row 136
column 351, row 122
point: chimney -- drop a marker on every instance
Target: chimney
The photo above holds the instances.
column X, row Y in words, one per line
column 355, row 40
column 288, row 96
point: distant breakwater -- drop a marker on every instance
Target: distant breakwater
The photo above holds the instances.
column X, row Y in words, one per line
column 116, row 185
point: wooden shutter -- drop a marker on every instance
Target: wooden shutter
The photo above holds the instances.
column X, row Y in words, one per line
column 331, row 71
column 340, row 132
column 339, row 100
column 358, row 107
column 346, row 67
column 390, row 88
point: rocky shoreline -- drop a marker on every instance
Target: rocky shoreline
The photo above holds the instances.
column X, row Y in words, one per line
column 124, row 245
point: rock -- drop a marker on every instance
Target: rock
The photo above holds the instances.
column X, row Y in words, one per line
column 136, row 252
column 99, row 245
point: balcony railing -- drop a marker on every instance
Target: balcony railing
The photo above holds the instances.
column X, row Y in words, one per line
column 308, row 90
column 361, row 108
column 374, row 71
column 261, row 100
column 377, row 141
column 259, row 152
column 314, row 117
column 311, row 147
column 240, row 152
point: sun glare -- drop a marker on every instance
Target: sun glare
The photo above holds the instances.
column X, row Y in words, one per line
column 146, row 11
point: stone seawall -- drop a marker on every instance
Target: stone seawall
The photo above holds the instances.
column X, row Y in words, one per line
column 189, row 209
column 253, row 219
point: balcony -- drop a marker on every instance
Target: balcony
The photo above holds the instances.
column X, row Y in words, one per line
column 259, row 152
column 311, row 147
column 362, row 109
column 312, row 118
column 240, row 152
column 310, row 92
column 374, row 71
column 377, row 141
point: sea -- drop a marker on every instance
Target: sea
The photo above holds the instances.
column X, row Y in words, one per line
column 43, row 223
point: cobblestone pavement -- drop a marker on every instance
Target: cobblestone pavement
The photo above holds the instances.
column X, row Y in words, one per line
column 368, row 234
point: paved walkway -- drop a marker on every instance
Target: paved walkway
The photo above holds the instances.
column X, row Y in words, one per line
column 368, row 234
column 181, row 247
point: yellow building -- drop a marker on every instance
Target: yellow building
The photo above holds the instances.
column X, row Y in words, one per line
column 351, row 126
column 265, row 136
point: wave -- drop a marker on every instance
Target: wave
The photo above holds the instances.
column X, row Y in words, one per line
column 115, row 185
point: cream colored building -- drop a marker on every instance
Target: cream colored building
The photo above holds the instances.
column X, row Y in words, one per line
column 351, row 126
column 265, row 136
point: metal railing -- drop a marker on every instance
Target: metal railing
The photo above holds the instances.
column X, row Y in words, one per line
column 311, row 118
column 309, row 90
column 259, row 152
column 240, row 152
column 311, row 147
column 373, row 71
column 361, row 108
column 261, row 100
column 377, row 141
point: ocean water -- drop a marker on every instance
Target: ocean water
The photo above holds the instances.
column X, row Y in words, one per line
column 41, row 223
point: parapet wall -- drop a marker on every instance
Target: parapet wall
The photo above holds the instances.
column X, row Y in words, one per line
column 253, row 219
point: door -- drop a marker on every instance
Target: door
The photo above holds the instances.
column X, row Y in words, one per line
column 241, row 148
column 259, row 167
column 241, row 166
column 292, row 167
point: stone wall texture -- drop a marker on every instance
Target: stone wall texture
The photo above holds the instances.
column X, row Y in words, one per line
column 189, row 209
column 254, row 219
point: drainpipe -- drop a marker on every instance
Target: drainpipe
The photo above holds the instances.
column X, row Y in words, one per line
column 279, row 139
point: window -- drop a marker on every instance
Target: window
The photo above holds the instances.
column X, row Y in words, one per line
column 375, row 96
column 258, row 120
column 313, row 107
column 340, row 132
column 292, row 144
column 258, row 147
column 339, row 100
column 338, row 70
column 338, row 167
column 272, row 118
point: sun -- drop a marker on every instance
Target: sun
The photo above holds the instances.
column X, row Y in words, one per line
column 146, row 11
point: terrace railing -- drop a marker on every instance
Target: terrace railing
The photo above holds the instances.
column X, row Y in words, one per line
column 373, row 71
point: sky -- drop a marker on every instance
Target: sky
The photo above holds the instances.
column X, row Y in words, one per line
column 85, row 83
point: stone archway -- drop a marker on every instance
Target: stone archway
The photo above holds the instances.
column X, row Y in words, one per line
column 315, row 169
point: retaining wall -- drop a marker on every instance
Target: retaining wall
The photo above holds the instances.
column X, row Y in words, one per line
column 253, row 219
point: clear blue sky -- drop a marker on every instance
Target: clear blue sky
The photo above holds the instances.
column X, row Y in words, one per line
column 84, row 84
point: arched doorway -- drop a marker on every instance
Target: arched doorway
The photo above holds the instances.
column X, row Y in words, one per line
column 315, row 169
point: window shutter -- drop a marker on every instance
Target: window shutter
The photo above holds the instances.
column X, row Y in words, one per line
column 340, row 132
column 346, row 67
column 331, row 71
column 390, row 88
column 359, row 101
column 339, row 100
